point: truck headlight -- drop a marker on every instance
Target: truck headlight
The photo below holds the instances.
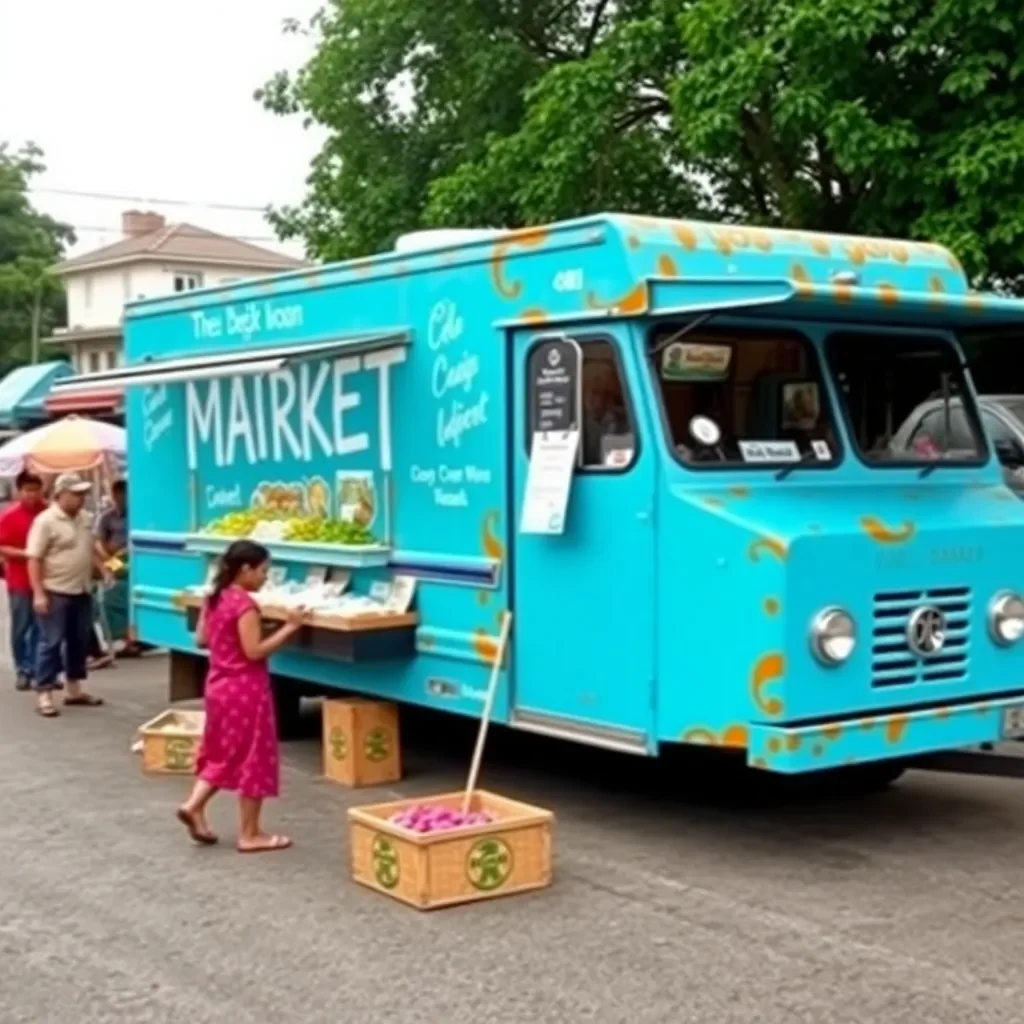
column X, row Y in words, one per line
column 1006, row 618
column 833, row 636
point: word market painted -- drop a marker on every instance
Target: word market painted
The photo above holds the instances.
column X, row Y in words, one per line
column 281, row 416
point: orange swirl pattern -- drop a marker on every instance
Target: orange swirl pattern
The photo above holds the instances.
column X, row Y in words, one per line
column 770, row 668
column 772, row 545
column 529, row 238
column 634, row 301
column 881, row 533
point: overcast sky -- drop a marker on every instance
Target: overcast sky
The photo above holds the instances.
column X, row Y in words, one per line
column 140, row 99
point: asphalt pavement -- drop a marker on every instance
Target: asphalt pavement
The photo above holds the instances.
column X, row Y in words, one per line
column 673, row 901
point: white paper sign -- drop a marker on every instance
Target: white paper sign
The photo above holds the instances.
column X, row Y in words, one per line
column 549, row 481
column 821, row 450
column 769, row 451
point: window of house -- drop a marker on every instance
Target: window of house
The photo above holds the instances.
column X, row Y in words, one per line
column 111, row 358
column 608, row 440
column 743, row 397
column 883, row 383
column 187, row 282
column 93, row 362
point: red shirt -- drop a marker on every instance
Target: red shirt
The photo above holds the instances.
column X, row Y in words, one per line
column 14, row 526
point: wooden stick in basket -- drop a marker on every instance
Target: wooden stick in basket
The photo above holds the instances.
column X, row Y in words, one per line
column 485, row 718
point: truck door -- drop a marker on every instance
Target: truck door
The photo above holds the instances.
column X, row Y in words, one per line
column 584, row 599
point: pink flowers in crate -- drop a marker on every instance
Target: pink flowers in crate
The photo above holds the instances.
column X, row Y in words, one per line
column 425, row 818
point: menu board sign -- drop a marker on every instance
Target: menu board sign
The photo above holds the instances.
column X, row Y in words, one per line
column 555, row 384
column 549, row 481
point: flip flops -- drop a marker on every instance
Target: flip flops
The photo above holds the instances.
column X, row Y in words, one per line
column 272, row 844
column 83, row 700
column 188, row 820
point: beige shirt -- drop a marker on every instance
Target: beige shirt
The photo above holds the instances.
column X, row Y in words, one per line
column 64, row 546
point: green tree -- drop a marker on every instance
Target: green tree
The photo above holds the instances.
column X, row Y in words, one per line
column 898, row 117
column 30, row 243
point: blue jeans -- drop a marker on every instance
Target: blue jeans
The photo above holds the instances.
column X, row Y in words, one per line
column 24, row 633
column 63, row 640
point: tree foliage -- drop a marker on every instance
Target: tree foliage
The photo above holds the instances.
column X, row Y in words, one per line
column 899, row 117
column 30, row 243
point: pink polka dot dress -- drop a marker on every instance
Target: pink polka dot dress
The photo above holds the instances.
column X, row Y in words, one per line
column 239, row 746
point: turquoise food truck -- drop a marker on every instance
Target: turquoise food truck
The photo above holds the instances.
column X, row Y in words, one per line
column 666, row 447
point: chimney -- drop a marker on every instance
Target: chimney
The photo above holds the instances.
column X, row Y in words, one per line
column 135, row 223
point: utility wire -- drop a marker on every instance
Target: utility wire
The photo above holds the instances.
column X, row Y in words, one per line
column 182, row 232
column 114, row 196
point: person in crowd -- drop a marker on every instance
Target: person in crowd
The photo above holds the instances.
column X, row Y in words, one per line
column 14, row 529
column 112, row 544
column 62, row 559
column 238, row 751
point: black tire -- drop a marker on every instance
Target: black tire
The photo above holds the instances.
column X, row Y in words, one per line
column 867, row 778
column 287, row 708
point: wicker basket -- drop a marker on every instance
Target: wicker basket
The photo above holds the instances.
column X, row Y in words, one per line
column 441, row 869
column 170, row 742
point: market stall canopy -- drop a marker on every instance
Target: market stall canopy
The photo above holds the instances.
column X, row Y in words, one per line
column 70, row 444
column 24, row 390
column 241, row 363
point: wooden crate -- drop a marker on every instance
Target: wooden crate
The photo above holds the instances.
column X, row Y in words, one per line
column 361, row 744
column 442, row 869
column 170, row 742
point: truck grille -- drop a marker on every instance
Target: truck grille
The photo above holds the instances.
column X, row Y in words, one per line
column 893, row 663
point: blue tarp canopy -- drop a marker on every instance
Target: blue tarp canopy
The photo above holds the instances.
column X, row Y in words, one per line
column 23, row 392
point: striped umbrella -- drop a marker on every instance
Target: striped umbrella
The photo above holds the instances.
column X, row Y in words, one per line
column 72, row 444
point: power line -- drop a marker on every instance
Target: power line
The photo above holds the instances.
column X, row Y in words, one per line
column 114, row 196
column 181, row 231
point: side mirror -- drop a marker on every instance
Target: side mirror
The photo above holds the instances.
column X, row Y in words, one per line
column 1009, row 452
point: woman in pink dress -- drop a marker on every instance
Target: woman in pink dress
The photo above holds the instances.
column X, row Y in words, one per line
column 239, row 746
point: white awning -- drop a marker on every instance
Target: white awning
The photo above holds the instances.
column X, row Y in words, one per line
column 240, row 363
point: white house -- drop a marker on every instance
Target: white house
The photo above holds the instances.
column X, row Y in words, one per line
column 153, row 258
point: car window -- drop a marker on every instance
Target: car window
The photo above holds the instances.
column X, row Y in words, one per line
column 883, row 382
column 995, row 427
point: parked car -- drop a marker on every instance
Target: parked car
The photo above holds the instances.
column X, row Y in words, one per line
column 1002, row 417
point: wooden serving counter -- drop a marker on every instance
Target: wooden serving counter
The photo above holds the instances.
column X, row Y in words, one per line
column 371, row 636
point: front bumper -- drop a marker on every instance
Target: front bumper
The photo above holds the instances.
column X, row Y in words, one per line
column 795, row 749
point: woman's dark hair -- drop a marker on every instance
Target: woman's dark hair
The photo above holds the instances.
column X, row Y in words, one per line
column 26, row 478
column 240, row 555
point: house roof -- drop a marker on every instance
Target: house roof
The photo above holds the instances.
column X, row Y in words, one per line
column 182, row 243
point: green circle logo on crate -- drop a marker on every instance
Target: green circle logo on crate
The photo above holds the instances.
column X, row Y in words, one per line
column 377, row 745
column 385, row 863
column 339, row 744
column 177, row 754
column 489, row 864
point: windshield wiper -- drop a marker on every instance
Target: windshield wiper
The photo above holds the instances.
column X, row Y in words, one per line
column 803, row 460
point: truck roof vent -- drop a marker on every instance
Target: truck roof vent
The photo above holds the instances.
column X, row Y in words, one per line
column 438, row 238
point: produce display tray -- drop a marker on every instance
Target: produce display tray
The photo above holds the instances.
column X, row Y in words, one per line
column 352, row 639
column 441, row 869
column 363, row 556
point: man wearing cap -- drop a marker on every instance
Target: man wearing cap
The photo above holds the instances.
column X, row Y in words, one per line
column 62, row 557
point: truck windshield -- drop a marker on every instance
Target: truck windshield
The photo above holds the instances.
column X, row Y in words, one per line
column 906, row 400
column 743, row 397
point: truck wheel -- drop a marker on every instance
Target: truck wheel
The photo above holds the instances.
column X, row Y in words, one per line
column 877, row 777
column 869, row 778
column 287, row 708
